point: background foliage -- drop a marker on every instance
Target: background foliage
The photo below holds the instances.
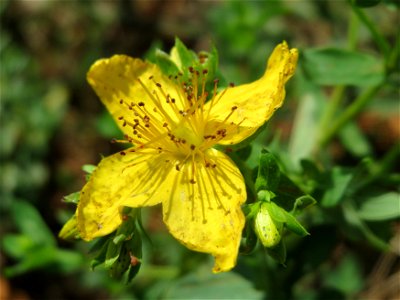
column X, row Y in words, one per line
column 336, row 137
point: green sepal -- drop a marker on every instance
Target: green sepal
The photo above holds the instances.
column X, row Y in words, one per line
column 72, row 198
column 88, row 169
column 278, row 252
column 182, row 56
column 302, row 203
column 165, row 63
column 113, row 251
column 249, row 238
column 100, row 246
column 134, row 247
column 279, row 215
column 293, row 225
column 121, row 264
column 70, row 230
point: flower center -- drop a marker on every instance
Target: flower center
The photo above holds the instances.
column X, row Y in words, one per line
column 187, row 136
column 175, row 118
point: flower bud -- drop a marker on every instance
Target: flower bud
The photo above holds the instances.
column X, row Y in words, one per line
column 265, row 228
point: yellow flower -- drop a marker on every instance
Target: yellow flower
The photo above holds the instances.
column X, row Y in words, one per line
column 173, row 129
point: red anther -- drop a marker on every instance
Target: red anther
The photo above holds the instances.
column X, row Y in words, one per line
column 192, row 181
column 113, row 141
column 151, row 77
column 141, row 104
column 122, row 153
column 121, row 101
column 231, row 84
column 234, row 108
column 158, row 84
column 120, row 118
column 177, row 167
column 205, row 71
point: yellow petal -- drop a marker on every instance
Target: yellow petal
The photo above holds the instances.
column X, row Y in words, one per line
column 253, row 103
column 118, row 78
column 205, row 214
column 129, row 179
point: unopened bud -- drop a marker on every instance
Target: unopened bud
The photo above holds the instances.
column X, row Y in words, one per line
column 265, row 227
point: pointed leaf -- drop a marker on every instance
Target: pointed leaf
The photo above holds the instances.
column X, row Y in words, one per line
column 268, row 173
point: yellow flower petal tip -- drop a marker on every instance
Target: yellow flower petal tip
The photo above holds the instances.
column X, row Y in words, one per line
column 173, row 127
column 256, row 101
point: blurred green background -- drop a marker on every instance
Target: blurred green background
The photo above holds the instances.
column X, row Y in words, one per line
column 52, row 124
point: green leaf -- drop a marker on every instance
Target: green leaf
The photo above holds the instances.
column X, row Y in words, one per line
column 72, row 198
column 380, row 208
column 204, row 285
column 68, row 261
column 339, row 180
column 287, row 193
column 268, row 173
column 354, row 140
column 333, row 66
column 346, row 277
column 36, row 258
column 17, row 245
column 31, row 224
column 352, row 218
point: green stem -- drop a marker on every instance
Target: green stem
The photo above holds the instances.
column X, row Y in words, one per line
column 333, row 105
column 393, row 57
column 352, row 33
column 378, row 38
column 386, row 164
column 351, row 111
column 338, row 93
